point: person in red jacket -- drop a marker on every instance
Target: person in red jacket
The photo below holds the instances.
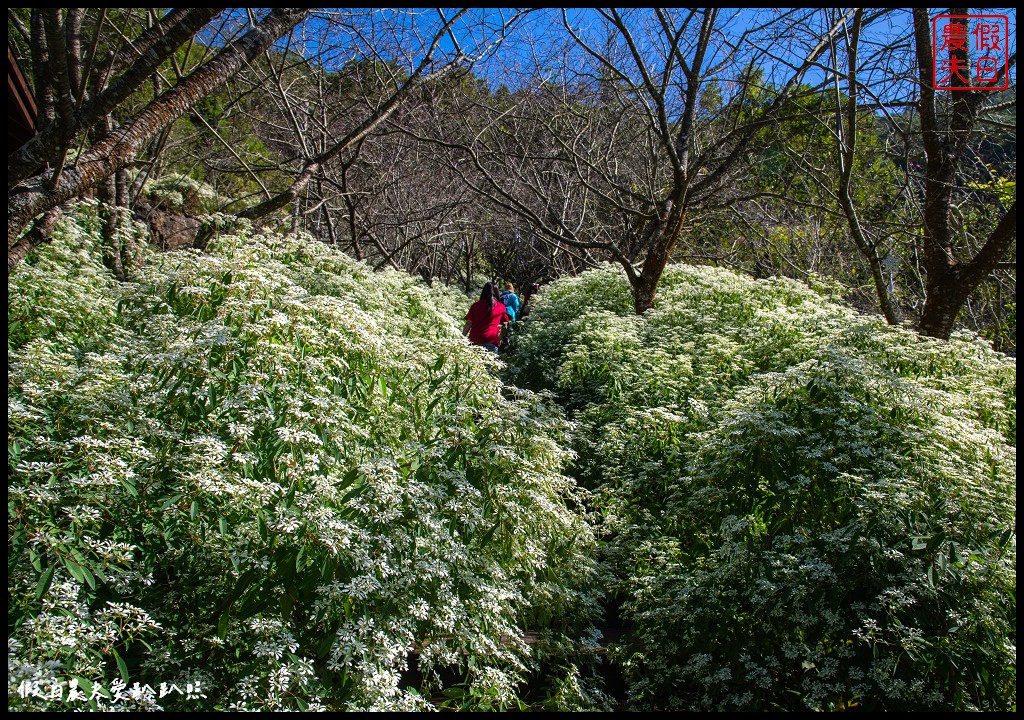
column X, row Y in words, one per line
column 485, row 321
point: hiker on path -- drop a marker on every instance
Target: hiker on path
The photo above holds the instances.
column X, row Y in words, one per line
column 511, row 301
column 527, row 305
column 486, row 319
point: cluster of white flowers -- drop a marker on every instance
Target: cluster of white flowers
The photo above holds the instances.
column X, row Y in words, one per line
column 177, row 192
column 781, row 477
column 280, row 471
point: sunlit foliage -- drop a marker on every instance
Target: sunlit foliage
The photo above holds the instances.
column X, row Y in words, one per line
column 270, row 478
column 803, row 507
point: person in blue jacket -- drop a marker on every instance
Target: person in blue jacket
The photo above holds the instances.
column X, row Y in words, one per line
column 511, row 301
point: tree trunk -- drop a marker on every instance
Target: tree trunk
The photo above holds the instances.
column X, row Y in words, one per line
column 644, row 289
column 946, row 294
column 645, row 285
column 469, row 261
column 949, row 280
column 38, row 234
column 846, row 137
column 155, row 45
column 948, row 283
column 109, row 218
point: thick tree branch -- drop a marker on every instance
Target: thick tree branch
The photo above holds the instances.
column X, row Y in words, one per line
column 59, row 136
column 119, row 149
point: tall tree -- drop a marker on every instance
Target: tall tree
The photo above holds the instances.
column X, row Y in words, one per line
column 938, row 138
column 396, row 85
column 952, row 269
column 834, row 164
column 328, row 100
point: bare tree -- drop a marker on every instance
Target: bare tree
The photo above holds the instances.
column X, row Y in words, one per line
column 831, row 144
column 409, row 211
column 69, row 106
column 846, row 126
column 605, row 160
column 325, row 111
column 893, row 83
column 952, row 270
column 32, row 191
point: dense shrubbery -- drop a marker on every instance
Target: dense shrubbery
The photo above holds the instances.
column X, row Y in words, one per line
column 271, row 477
column 181, row 193
column 803, row 507
column 268, row 476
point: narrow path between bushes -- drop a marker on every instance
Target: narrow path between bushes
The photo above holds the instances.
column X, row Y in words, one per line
column 611, row 625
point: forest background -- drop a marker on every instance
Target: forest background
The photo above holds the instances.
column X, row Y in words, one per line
column 523, row 145
column 764, row 410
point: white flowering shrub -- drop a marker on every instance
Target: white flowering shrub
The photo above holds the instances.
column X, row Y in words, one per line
column 41, row 308
column 181, row 193
column 802, row 507
column 268, row 478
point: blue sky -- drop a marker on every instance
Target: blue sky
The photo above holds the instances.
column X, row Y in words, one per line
column 534, row 48
column 775, row 53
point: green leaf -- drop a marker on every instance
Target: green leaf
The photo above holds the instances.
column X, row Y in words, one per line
column 489, row 534
column 173, row 500
column 222, row 625
column 327, row 569
column 84, row 683
column 433, row 404
column 44, row 582
column 326, row 643
column 935, row 541
column 223, row 526
column 348, row 478
column 243, row 582
column 75, row 569
column 122, row 667
column 130, row 487
column 352, row 493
